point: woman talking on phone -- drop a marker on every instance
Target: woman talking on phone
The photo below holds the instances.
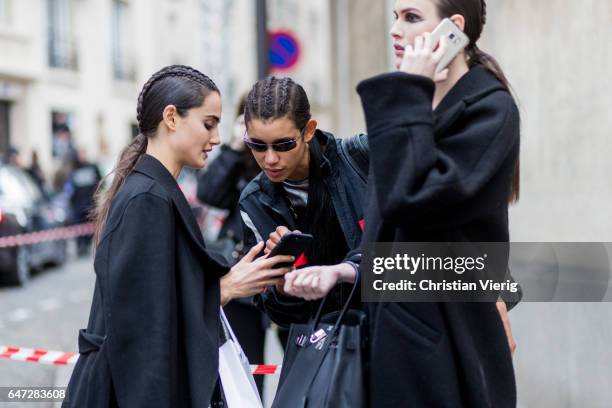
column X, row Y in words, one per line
column 153, row 334
column 444, row 149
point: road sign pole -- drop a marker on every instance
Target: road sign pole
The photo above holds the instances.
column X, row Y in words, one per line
column 263, row 48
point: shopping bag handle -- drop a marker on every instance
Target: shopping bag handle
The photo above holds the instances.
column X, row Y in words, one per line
column 317, row 318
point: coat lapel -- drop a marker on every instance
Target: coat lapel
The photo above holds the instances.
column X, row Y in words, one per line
column 473, row 86
column 151, row 167
column 272, row 198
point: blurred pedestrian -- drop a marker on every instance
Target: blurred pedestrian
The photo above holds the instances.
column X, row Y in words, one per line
column 11, row 156
column 220, row 186
column 36, row 172
column 80, row 189
column 62, row 147
column 154, row 328
column 444, row 148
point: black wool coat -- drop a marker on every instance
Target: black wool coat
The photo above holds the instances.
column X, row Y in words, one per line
column 439, row 176
column 153, row 333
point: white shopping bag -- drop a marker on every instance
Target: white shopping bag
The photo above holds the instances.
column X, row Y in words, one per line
column 235, row 372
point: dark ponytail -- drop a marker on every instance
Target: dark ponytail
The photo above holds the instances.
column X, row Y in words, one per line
column 475, row 14
column 178, row 85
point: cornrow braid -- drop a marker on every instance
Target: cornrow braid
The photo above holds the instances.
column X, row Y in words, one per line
column 483, row 12
column 274, row 98
column 178, row 85
column 178, row 71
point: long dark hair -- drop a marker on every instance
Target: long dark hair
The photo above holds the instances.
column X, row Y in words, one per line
column 178, row 85
column 475, row 14
column 275, row 98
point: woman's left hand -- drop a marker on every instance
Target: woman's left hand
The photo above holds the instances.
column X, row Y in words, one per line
column 423, row 60
column 503, row 314
column 315, row 282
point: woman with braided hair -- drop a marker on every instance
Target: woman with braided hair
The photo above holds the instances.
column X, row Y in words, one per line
column 444, row 149
column 310, row 182
column 153, row 333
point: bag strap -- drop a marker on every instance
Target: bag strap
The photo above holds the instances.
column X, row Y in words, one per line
column 345, row 307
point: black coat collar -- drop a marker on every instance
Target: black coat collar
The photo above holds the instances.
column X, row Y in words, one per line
column 473, row 86
column 153, row 168
column 272, row 193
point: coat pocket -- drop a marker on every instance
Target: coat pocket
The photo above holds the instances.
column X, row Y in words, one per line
column 411, row 325
column 90, row 383
column 89, row 342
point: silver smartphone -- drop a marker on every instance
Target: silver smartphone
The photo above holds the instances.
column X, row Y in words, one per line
column 456, row 41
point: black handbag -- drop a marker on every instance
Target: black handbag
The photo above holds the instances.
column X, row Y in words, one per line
column 324, row 361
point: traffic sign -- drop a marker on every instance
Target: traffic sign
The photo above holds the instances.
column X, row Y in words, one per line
column 284, row 50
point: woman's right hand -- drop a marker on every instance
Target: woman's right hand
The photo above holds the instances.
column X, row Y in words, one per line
column 251, row 276
column 275, row 237
column 421, row 59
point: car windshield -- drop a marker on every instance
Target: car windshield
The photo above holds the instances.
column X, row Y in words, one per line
column 17, row 188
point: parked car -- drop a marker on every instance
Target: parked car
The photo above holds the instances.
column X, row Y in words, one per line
column 25, row 208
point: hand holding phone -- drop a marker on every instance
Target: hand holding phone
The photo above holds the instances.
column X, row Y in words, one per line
column 432, row 53
column 292, row 243
column 456, row 41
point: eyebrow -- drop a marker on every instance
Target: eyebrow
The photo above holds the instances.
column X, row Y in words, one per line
column 406, row 10
column 216, row 118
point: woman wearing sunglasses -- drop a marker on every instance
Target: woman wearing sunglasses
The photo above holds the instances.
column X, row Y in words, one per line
column 309, row 182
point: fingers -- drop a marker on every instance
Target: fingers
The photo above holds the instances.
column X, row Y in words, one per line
column 275, row 237
column 419, row 41
column 306, row 282
column 252, row 252
column 289, row 279
column 427, row 42
column 439, row 53
column 268, row 263
column 503, row 314
column 269, row 282
column 278, row 233
column 274, row 273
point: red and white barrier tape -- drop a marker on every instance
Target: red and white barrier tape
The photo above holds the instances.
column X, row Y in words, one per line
column 38, row 355
column 70, row 358
column 54, row 234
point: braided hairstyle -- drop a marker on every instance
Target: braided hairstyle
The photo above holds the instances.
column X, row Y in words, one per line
column 276, row 98
column 475, row 14
column 178, row 85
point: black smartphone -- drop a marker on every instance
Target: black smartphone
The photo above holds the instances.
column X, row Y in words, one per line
column 292, row 243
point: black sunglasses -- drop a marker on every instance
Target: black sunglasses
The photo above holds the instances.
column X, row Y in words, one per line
column 259, row 146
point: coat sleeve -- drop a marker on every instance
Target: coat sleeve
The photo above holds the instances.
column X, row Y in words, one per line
column 282, row 310
column 218, row 186
column 141, row 310
column 417, row 178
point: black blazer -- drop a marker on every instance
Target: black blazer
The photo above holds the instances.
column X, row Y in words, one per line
column 153, row 333
column 439, row 176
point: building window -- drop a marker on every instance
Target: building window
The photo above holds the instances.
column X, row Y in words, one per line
column 5, row 12
column 123, row 67
column 61, row 128
column 62, row 48
column 5, row 126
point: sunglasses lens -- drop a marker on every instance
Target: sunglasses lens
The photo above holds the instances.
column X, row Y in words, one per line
column 258, row 147
column 285, row 146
